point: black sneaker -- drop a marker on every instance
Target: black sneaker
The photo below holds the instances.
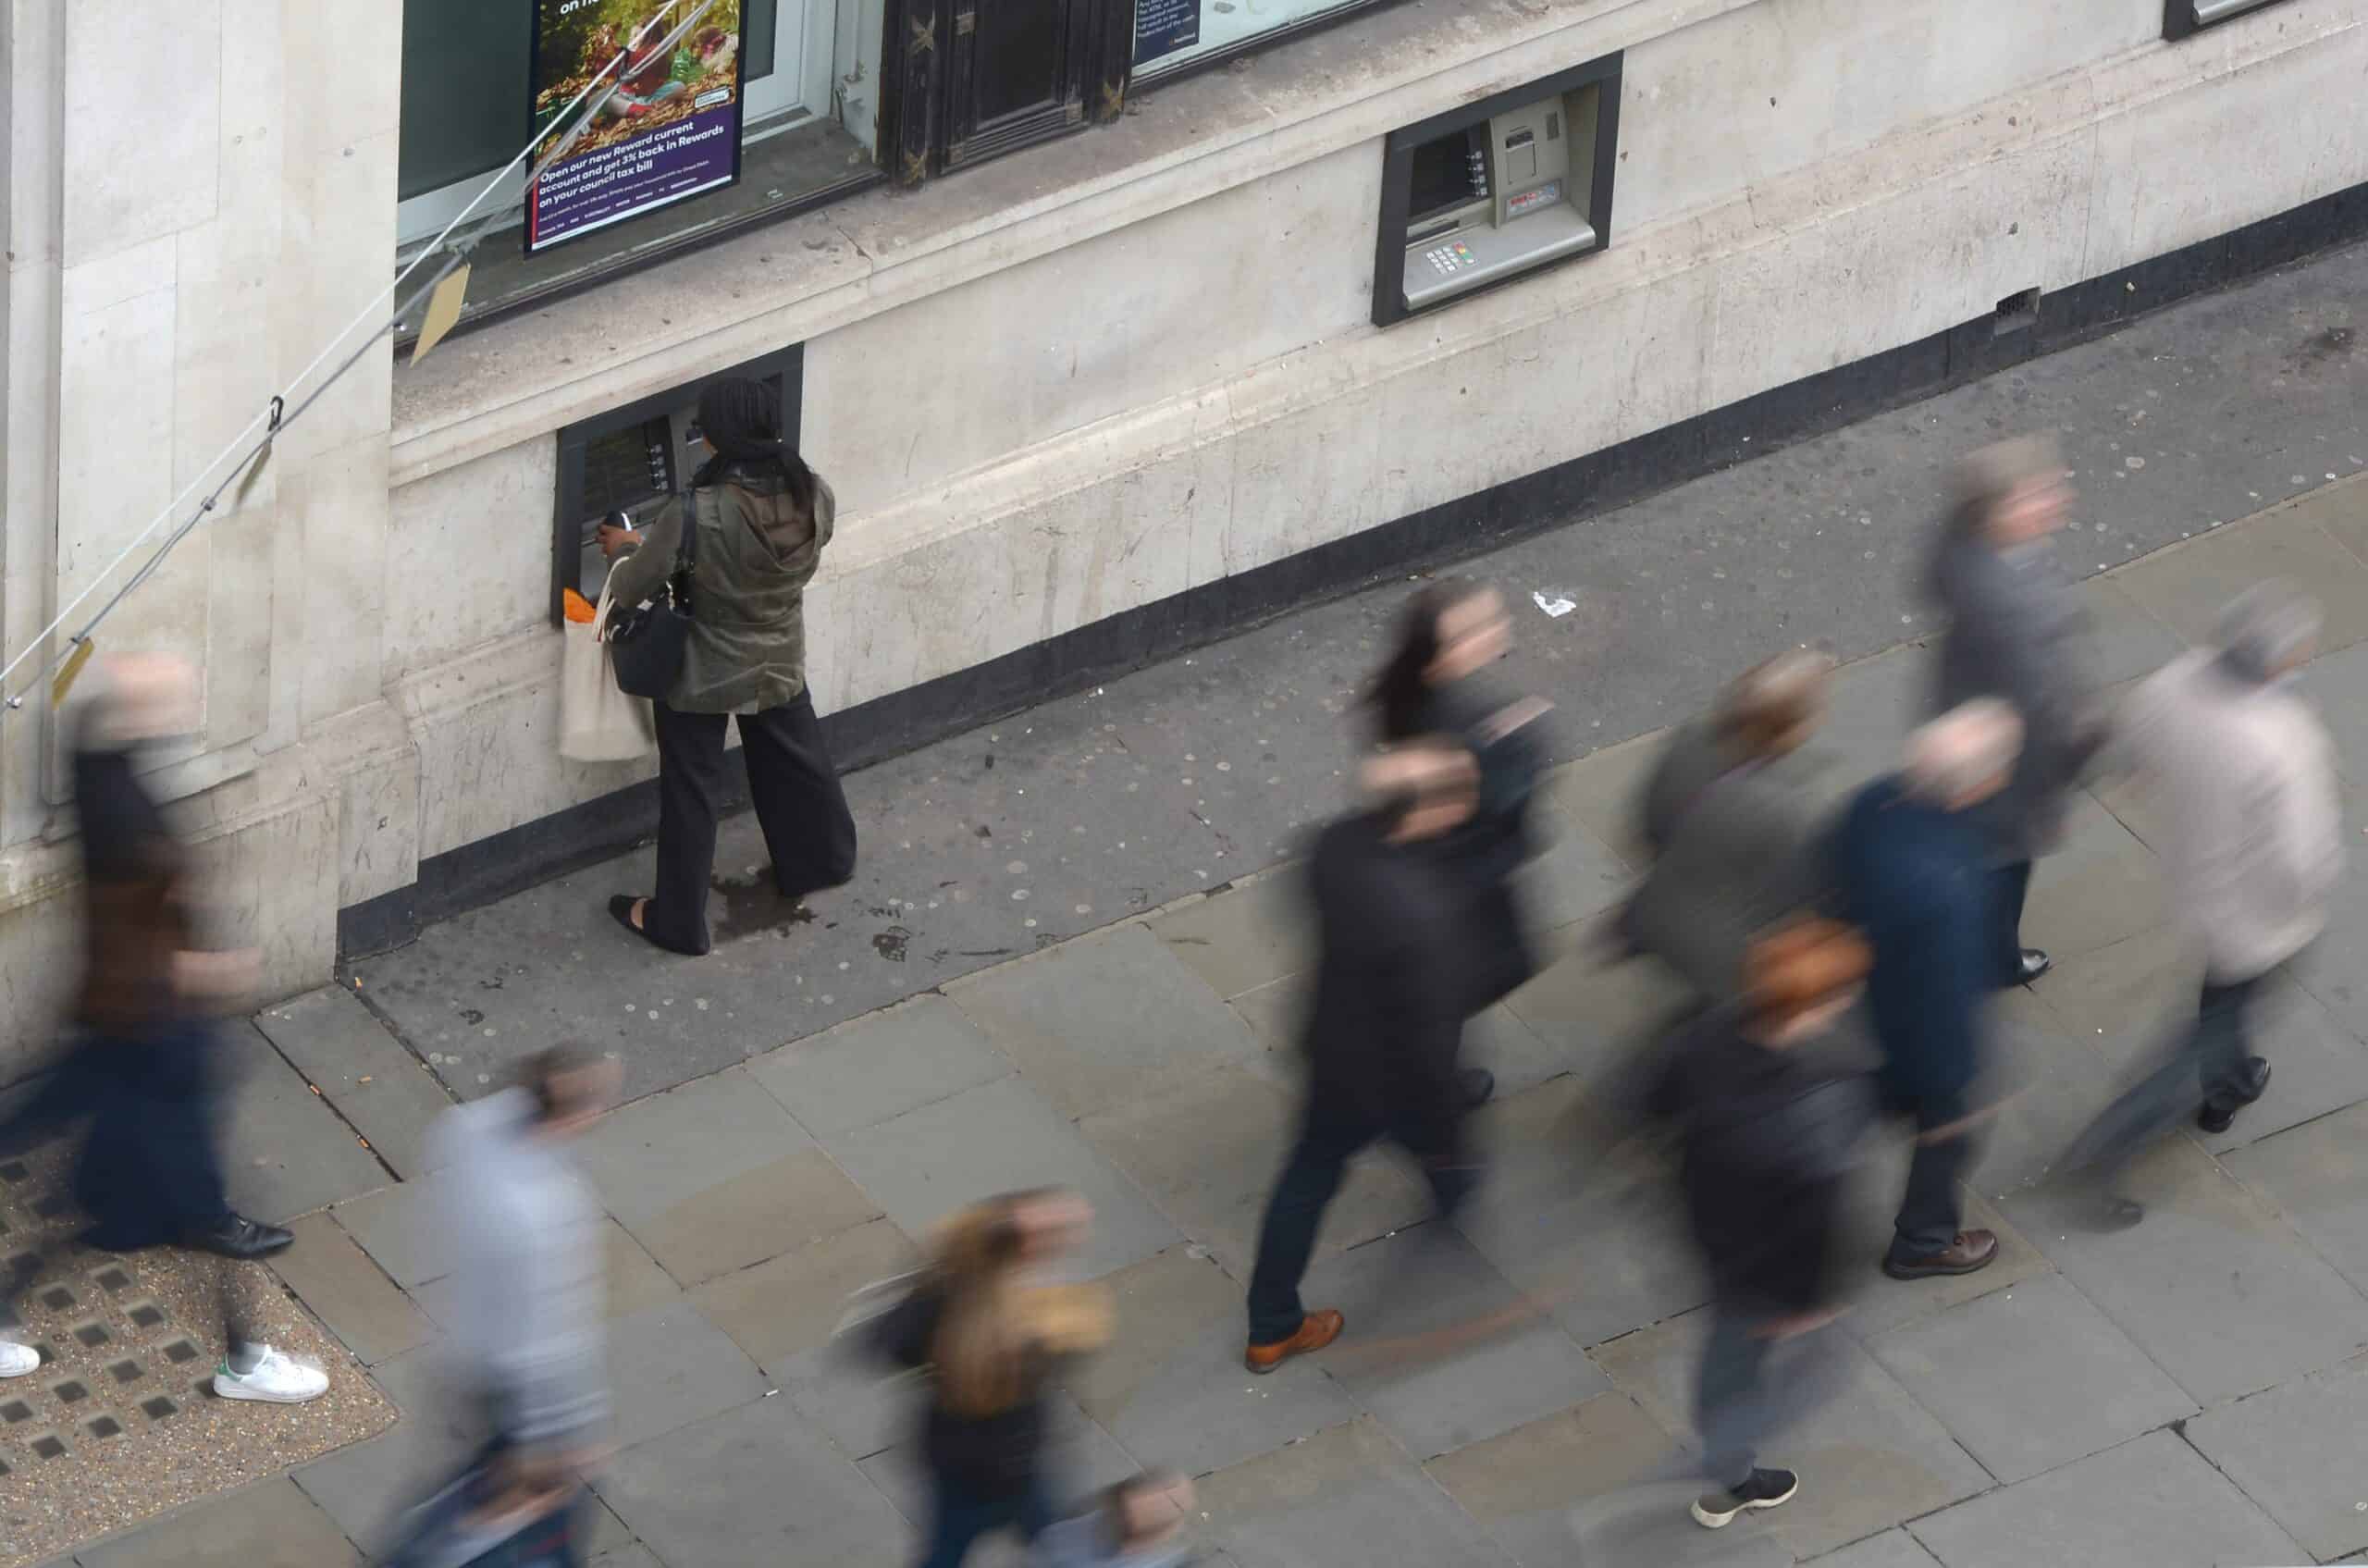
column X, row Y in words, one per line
column 1762, row 1488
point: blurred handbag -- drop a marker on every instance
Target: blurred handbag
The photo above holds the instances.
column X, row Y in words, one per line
column 598, row 722
column 646, row 642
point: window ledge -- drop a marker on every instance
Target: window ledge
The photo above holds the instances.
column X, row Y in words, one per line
column 529, row 375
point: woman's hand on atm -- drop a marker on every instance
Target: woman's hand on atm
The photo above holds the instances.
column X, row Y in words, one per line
column 613, row 539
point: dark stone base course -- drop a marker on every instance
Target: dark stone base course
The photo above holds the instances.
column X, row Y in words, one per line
column 1601, row 481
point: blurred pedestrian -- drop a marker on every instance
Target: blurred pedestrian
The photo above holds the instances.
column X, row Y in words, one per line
column 1436, row 683
column 143, row 1071
column 1387, row 1023
column 1136, row 1523
column 1732, row 833
column 527, row 1262
column 2017, row 632
column 1912, row 869
column 1769, row 1136
column 758, row 519
column 2241, row 772
column 993, row 1336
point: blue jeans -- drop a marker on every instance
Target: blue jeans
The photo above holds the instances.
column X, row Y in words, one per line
column 964, row 1514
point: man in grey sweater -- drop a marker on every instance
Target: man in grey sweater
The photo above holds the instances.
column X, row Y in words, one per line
column 523, row 1230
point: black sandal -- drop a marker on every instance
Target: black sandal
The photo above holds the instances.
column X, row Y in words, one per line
column 621, row 911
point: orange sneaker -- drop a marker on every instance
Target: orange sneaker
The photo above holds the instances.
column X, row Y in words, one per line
column 1317, row 1331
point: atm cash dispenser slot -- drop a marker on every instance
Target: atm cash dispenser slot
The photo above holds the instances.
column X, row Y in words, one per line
column 1496, row 190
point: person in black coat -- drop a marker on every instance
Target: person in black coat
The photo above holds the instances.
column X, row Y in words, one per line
column 1435, row 683
column 1911, row 863
column 1767, row 1132
column 1387, row 1023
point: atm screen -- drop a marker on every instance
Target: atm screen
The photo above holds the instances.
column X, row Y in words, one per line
column 1448, row 172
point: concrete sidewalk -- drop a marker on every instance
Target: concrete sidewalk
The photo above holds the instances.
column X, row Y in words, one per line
column 2187, row 1392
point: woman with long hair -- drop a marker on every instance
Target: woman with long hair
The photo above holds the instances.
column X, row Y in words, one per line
column 991, row 1334
column 760, row 518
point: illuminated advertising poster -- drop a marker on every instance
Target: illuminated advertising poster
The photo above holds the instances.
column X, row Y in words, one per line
column 670, row 132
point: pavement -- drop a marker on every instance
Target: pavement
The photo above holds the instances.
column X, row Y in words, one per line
column 1073, row 957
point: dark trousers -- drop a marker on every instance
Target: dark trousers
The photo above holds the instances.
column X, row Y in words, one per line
column 1751, row 1386
column 962, row 1514
column 2009, row 885
column 1931, row 1212
column 2222, row 1042
column 2207, row 1060
column 148, row 1172
column 1329, row 1137
column 802, row 810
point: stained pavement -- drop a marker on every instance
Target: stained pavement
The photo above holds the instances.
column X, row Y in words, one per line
column 2189, row 1391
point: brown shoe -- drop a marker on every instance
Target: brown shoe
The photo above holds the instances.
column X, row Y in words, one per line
column 1972, row 1250
column 1317, row 1331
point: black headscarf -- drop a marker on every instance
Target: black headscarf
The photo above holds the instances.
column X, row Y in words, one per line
column 741, row 419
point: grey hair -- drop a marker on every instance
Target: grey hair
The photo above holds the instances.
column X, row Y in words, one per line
column 1950, row 756
column 1987, row 476
column 2267, row 628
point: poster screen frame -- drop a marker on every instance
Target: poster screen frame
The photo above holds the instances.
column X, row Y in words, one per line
column 739, row 107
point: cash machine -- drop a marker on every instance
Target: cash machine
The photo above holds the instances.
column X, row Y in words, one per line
column 1496, row 190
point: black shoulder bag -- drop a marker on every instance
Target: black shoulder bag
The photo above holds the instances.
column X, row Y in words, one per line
column 646, row 643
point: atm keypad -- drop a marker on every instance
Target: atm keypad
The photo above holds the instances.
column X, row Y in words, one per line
column 1451, row 258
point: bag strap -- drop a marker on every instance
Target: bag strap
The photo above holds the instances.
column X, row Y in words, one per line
column 687, row 548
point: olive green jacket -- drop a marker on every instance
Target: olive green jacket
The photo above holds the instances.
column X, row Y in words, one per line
column 757, row 551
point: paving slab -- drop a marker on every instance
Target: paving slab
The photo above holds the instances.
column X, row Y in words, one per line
column 669, row 1366
column 2100, row 886
column 1893, row 1548
column 612, row 1545
column 1000, row 1137
column 1590, row 1016
column 1585, row 1226
column 2030, row 1378
column 389, row 1096
column 864, row 1408
column 1879, row 1303
column 1598, row 793
column 1347, row 1497
column 755, row 1484
column 1557, row 1485
column 269, row 1524
column 2150, row 1503
column 1869, row 1458
column 2126, row 641
column 2333, row 683
column 715, row 1175
column 2295, row 1451
column 2189, row 585
column 2316, row 1176
column 284, row 1151
column 882, row 1066
column 1171, row 1387
column 795, row 1303
column 1871, row 708
column 1440, row 1346
column 2210, row 1256
column 367, row 1487
column 349, row 1293
column 1104, row 1021
column 400, row 1228
column 1209, row 1150
column 2335, row 967
column 1247, row 935
column 1575, row 876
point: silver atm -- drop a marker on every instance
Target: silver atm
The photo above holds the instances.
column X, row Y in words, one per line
column 1509, row 188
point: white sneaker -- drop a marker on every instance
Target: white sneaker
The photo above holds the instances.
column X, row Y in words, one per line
column 275, row 1380
column 17, row 1360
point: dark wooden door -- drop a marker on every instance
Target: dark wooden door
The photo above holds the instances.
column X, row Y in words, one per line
column 1018, row 72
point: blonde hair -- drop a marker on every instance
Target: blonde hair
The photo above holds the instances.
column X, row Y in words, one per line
column 996, row 1331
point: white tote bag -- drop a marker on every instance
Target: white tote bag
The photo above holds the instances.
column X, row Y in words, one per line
column 597, row 721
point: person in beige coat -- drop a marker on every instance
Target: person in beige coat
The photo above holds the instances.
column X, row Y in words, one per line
column 2241, row 774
